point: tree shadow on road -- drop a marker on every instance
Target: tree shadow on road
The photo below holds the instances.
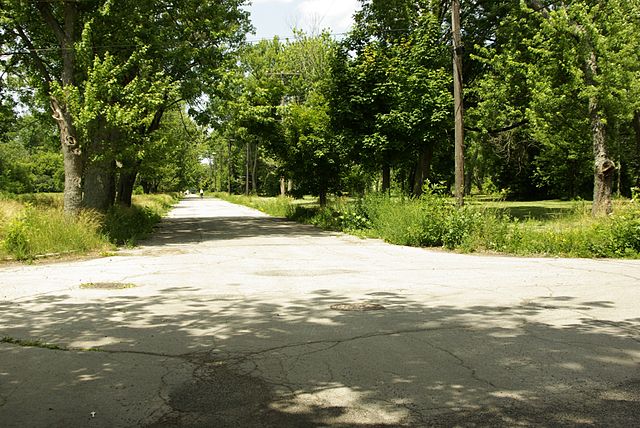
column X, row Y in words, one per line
column 258, row 362
column 177, row 231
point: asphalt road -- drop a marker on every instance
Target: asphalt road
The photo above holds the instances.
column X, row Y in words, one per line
column 229, row 318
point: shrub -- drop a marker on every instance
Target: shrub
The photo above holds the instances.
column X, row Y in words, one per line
column 16, row 241
column 433, row 220
column 128, row 225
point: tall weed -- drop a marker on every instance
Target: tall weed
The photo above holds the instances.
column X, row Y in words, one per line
column 38, row 232
column 35, row 225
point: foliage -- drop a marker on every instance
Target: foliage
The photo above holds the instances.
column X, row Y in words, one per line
column 546, row 74
column 170, row 158
column 128, row 225
column 29, row 157
column 433, row 221
column 390, row 96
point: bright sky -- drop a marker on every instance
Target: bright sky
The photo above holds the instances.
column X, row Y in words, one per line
column 277, row 17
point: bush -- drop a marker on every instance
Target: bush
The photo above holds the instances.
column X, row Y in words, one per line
column 16, row 241
column 128, row 225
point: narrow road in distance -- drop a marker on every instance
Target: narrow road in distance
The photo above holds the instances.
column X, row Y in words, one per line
column 229, row 318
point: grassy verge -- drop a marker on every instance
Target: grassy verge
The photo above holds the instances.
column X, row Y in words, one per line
column 34, row 226
column 546, row 228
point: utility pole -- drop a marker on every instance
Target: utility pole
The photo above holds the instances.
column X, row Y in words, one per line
column 229, row 168
column 246, row 181
column 457, row 101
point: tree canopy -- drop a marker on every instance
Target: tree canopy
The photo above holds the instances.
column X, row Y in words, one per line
column 144, row 92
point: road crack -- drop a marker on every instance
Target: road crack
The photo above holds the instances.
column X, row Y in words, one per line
column 462, row 364
column 336, row 342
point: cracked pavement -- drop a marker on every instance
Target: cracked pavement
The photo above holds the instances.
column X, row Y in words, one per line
column 230, row 325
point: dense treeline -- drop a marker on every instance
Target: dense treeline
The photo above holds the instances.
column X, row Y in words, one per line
column 551, row 102
column 551, row 96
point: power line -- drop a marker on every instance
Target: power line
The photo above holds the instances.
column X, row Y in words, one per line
column 125, row 46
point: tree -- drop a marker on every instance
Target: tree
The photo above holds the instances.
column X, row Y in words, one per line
column 391, row 96
column 566, row 72
column 136, row 58
column 171, row 156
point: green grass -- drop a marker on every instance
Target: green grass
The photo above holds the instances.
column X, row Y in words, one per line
column 35, row 226
column 543, row 228
column 536, row 210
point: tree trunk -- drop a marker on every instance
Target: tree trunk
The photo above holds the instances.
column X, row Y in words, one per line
column 98, row 185
column 604, row 168
column 469, row 172
column 422, row 170
column 254, row 167
column 229, row 168
column 99, row 174
column 283, row 188
column 386, row 178
column 246, row 175
column 636, row 128
column 73, row 162
column 125, row 185
column 322, row 197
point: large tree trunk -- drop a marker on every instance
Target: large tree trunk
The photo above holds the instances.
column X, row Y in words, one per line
column 73, row 163
column 99, row 174
column 99, row 185
column 604, row 168
column 125, row 185
column 72, row 155
column 422, row 170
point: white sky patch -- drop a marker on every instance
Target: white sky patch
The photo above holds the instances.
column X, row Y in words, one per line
column 334, row 14
column 278, row 17
column 271, row 1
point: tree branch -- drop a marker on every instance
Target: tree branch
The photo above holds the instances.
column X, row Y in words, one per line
column 494, row 132
column 39, row 63
column 52, row 22
column 539, row 7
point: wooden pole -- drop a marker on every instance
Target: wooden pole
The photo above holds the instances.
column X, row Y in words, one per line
column 458, row 105
column 229, row 169
column 246, row 176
